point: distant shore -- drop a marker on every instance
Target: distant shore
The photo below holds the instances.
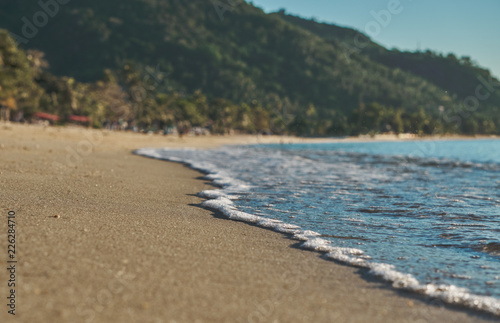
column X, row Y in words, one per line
column 107, row 236
column 132, row 139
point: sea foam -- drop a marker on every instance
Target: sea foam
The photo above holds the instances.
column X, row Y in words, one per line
column 221, row 200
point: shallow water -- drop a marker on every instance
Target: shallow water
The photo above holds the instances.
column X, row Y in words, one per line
column 428, row 209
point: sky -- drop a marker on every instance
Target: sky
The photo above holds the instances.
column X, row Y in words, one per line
column 463, row 27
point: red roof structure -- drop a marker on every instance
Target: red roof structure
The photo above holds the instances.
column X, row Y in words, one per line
column 46, row 116
column 79, row 118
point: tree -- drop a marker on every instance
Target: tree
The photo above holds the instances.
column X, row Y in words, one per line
column 18, row 89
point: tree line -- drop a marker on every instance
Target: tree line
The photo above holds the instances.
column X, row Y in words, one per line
column 147, row 98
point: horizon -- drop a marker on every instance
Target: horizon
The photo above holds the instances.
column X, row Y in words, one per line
column 467, row 27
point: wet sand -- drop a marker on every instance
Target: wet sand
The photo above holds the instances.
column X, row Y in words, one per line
column 103, row 235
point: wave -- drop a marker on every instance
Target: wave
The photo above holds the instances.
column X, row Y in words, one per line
column 493, row 248
column 222, row 201
column 402, row 161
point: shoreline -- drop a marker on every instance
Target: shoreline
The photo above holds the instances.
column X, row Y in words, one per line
column 133, row 243
column 213, row 141
column 219, row 200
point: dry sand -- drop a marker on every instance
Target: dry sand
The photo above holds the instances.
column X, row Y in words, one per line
column 131, row 244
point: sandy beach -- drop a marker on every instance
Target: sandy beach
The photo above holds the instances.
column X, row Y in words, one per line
column 103, row 235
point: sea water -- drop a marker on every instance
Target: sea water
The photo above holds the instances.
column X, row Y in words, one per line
column 424, row 215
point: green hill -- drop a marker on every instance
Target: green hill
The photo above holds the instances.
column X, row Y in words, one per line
column 460, row 77
column 303, row 77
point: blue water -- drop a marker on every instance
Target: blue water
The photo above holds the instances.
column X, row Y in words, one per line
column 436, row 216
column 481, row 151
column 430, row 208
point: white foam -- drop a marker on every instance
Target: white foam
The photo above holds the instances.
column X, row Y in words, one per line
column 306, row 235
column 213, row 194
column 221, row 200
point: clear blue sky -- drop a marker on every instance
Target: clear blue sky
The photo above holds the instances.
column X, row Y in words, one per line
column 463, row 27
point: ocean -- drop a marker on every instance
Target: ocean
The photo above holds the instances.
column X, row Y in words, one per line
column 423, row 215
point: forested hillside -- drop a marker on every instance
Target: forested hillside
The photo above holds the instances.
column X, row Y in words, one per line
column 232, row 66
column 459, row 77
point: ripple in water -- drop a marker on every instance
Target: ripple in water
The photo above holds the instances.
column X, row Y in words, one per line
column 426, row 219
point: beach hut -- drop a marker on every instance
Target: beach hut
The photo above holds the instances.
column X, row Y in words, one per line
column 42, row 116
column 82, row 120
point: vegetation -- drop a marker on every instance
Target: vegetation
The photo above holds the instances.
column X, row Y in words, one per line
column 159, row 64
